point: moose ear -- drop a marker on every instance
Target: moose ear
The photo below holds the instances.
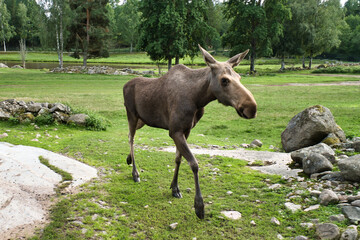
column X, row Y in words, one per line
column 210, row 60
column 235, row 60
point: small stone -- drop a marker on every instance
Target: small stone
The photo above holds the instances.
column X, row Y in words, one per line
column 188, row 190
column 306, row 225
column 94, row 217
column 356, row 203
column 275, row 186
column 279, row 236
column 292, row 207
column 315, row 193
column 234, row 215
column 275, row 221
column 35, row 140
column 256, row 143
column 146, row 206
column 84, row 231
column 253, row 223
column 337, row 218
column 4, row 135
column 301, row 237
column 328, row 197
column 229, row 192
column 311, row 208
column 327, row 231
column 173, row 225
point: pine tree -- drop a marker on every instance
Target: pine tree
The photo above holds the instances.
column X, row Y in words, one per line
column 89, row 30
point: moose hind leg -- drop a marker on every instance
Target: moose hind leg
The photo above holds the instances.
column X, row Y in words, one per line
column 174, row 184
column 139, row 125
column 132, row 120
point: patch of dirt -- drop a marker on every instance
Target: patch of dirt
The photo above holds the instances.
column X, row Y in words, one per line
column 279, row 161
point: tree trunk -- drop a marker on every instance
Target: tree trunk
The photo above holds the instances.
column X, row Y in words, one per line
column 131, row 47
column 85, row 53
column 310, row 62
column 23, row 51
column 4, row 45
column 169, row 63
column 252, row 61
column 282, row 68
column 61, row 61
column 177, row 60
column 57, row 43
column 303, row 61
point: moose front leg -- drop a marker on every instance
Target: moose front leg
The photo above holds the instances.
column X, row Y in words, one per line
column 182, row 147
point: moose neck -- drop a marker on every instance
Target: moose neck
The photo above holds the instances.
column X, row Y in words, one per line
column 205, row 95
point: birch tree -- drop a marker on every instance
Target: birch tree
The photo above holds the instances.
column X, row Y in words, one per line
column 23, row 30
column 6, row 30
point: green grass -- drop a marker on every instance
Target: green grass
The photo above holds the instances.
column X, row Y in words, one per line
column 113, row 206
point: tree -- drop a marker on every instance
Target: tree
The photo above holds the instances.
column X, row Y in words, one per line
column 254, row 24
column 352, row 7
column 127, row 22
column 319, row 25
column 89, row 30
column 349, row 48
column 59, row 11
column 6, row 30
column 162, row 33
column 172, row 28
column 23, row 30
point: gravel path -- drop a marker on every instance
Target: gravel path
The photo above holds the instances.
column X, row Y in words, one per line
column 274, row 162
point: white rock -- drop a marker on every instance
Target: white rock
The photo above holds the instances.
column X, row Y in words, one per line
column 4, row 135
column 234, row 215
column 311, row 208
column 292, row 207
column 275, row 221
column 173, row 225
column 229, row 192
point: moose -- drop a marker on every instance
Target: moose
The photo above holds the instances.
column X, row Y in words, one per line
column 176, row 102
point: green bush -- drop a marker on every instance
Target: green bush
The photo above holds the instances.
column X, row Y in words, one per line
column 44, row 119
column 95, row 123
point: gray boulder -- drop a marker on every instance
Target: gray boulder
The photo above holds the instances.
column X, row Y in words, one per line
column 327, row 231
column 308, row 128
column 17, row 66
column 352, row 213
column 78, row 119
column 3, row 65
column 299, row 155
column 4, row 115
column 60, row 108
column 350, row 168
column 316, row 163
column 34, row 107
column 327, row 197
column 350, row 233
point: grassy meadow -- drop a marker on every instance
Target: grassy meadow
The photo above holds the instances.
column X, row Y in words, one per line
column 114, row 207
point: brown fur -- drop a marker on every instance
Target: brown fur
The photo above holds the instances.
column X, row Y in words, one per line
column 176, row 102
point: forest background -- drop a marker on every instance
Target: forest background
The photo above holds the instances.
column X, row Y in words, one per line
column 170, row 30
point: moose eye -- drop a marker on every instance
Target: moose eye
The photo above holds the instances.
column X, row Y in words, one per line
column 224, row 82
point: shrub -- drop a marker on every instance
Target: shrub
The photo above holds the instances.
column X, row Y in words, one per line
column 44, row 119
column 95, row 123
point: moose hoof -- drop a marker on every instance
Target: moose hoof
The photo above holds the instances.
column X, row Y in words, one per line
column 199, row 209
column 136, row 179
column 129, row 159
column 176, row 193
